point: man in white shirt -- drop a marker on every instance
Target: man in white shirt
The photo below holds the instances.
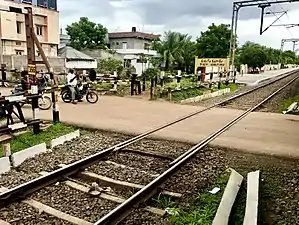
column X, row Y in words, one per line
column 72, row 83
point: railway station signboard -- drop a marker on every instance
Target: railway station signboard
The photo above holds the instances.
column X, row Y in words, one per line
column 215, row 62
column 211, row 62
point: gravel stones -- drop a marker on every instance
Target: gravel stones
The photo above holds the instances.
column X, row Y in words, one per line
column 22, row 214
column 15, row 177
column 141, row 217
column 289, row 92
column 249, row 100
column 146, row 163
column 119, row 173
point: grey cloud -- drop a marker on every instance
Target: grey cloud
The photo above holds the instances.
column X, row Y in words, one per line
column 87, row 8
column 164, row 11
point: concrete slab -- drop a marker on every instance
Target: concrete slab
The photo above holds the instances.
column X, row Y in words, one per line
column 255, row 79
column 57, row 141
column 73, row 135
column 19, row 157
column 4, row 165
column 68, row 137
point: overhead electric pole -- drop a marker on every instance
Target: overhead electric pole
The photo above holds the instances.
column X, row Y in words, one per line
column 251, row 3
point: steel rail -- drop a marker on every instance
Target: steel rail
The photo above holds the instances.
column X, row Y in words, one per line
column 123, row 210
column 23, row 190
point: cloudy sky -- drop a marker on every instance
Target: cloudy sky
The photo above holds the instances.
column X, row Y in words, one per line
column 187, row 16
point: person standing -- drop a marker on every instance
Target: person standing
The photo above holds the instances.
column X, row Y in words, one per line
column 3, row 73
column 72, row 83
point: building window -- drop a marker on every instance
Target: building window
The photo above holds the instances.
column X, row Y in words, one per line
column 38, row 53
column 19, row 27
column 39, row 30
column 18, row 43
column 124, row 45
column 117, row 43
column 19, row 52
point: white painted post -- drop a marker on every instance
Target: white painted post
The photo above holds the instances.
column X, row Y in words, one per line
column 178, row 77
column 115, row 81
column 199, row 78
column 251, row 211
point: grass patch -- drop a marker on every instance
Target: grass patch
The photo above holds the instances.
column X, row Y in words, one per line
column 104, row 86
column 185, row 83
column 286, row 103
column 204, row 207
column 28, row 139
column 233, row 87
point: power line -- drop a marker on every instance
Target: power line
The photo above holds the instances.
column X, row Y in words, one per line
column 278, row 17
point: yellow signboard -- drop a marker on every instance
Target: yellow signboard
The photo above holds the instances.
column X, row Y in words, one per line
column 211, row 62
column 31, row 69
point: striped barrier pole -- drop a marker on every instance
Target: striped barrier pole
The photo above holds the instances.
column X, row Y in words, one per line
column 55, row 107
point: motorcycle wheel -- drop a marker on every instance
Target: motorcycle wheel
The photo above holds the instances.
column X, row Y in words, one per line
column 92, row 97
column 66, row 97
column 44, row 103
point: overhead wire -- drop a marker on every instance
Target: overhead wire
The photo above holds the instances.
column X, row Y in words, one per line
column 278, row 17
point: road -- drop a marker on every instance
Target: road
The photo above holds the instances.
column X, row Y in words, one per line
column 268, row 133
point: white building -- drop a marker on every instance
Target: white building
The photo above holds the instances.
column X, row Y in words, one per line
column 75, row 59
column 130, row 45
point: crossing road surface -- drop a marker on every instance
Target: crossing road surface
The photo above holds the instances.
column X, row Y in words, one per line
column 269, row 133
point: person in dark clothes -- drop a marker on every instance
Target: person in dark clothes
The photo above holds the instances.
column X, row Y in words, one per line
column 3, row 73
column 92, row 75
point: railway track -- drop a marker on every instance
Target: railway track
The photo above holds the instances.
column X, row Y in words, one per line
column 97, row 189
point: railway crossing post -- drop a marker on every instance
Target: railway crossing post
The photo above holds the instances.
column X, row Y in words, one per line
column 199, row 78
column 178, row 79
column 162, row 74
column 55, row 109
column 211, row 80
column 115, row 81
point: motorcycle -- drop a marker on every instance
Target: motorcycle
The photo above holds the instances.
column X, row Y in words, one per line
column 44, row 102
column 83, row 90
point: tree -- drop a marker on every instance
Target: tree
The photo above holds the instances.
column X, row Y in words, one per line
column 215, row 42
column 87, row 35
column 254, row 55
column 176, row 50
column 109, row 65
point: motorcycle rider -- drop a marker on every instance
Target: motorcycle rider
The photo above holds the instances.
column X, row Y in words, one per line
column 72, row 83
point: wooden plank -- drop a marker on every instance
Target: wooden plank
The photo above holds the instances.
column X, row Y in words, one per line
column 228, row 198
column 116, row 199
column 49, row 210
column 119, row 184
column 251, row 212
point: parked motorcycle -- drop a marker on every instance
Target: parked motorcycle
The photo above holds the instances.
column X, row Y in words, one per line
column 44, row 102
column 84, row 90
